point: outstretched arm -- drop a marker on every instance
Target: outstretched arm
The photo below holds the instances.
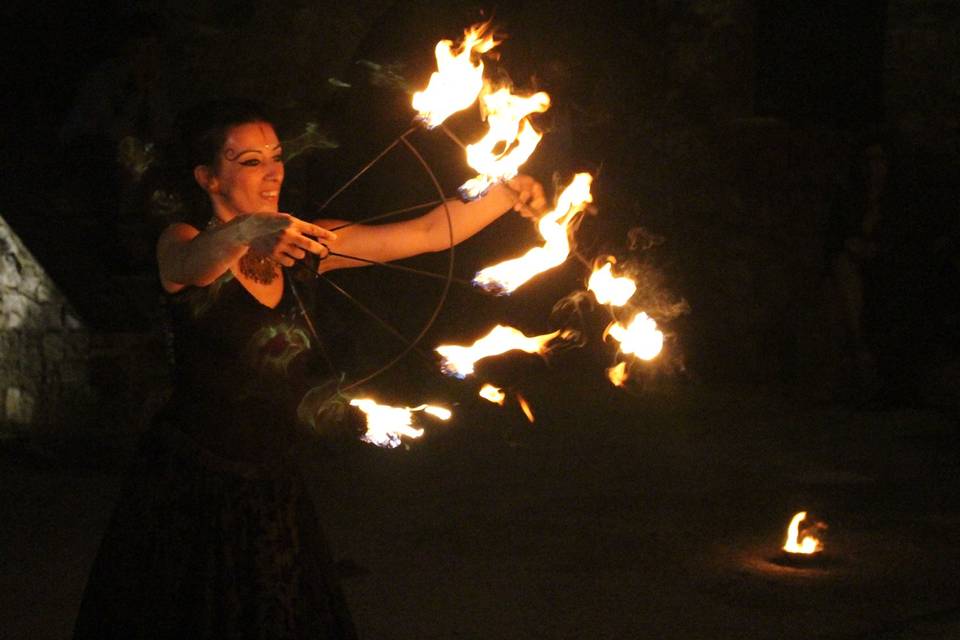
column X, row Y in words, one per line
column 429, row 232
column 187, row 256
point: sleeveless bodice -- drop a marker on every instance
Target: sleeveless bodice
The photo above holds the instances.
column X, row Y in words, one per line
column 241, row 369
column 214, row 533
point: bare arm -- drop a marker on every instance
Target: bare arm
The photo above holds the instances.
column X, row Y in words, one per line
column 429, row 232
column 187, row 256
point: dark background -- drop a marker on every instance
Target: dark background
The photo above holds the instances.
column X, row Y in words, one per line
column 723, row 134
column 723, row 130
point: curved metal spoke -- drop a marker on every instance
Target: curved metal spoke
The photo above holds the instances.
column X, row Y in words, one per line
column 389, row 328
column 400, row 267
column 410, row 345
column 453, row 136
column 388, row 214
column 366, row 167
column 310, row 325
column 446, row 287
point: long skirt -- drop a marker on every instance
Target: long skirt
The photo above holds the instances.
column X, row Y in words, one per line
column 202, row 547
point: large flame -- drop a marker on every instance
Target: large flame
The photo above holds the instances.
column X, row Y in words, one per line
column 457, row 82
column 611, row 289
column 509, row 141
column 640, row 338
column 386, row 425
column 808, row 545
column 459, row 361
column 507, row 276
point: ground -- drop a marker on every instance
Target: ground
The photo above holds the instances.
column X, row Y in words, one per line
column 657, row 515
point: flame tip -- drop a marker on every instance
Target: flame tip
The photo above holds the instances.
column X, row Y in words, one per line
column 806, row 545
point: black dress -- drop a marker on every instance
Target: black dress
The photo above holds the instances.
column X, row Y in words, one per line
column 215, row 534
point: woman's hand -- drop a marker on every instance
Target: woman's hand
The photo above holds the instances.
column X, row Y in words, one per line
column 531, row 202
column 282, row 237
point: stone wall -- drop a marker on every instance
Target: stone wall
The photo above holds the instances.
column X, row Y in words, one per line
column 44, row 381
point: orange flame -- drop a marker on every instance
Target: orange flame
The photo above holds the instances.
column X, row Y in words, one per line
column 610, row 289
column 457, row 82
column 386, row 425
column 525, row 407
column 808, row 545
column 640, row 338
column 618, row 374
column 507, row 276
column 437, row 412
column 492, row 394
column 509, row 141
column 459, row 361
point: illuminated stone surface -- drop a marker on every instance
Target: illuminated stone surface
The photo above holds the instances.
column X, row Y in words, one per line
column 43, row 345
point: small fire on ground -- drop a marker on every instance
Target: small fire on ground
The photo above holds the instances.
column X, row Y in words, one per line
column 800, row 538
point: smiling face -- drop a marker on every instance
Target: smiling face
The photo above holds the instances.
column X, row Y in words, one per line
column 248, row 173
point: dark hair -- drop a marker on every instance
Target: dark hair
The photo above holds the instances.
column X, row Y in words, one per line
column 202, row 129
column 200, row 133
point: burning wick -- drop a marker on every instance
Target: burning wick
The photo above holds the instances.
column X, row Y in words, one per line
column 459, row 361
column 610, row 289
column 436, row 412
column 618, row 374
column 640, row 338
column 509, row 142
column 525, row 407
column 492, row 394
column 809, row 544
column 386, row 425
column 457, row 82
column 503, row 278
column 497, row 396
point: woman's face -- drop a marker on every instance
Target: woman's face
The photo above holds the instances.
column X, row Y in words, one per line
column 249, row 171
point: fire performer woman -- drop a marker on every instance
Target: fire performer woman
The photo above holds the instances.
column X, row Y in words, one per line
column 214, row 535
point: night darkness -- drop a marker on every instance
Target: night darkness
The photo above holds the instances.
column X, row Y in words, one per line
column 781, row 179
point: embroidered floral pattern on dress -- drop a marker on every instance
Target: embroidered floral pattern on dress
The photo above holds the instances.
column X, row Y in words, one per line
column 273, row 348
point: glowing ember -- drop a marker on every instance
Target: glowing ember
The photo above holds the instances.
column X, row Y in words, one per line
column 525, row 407
column 509, row 141
column 618, row 374
column 610, row 289
column 506, row 277
column 459, row 361
column 386, row 425
column 492, row 394
column 457, row 82
column 436, row 412
column 808, row 545
column 640, row 338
